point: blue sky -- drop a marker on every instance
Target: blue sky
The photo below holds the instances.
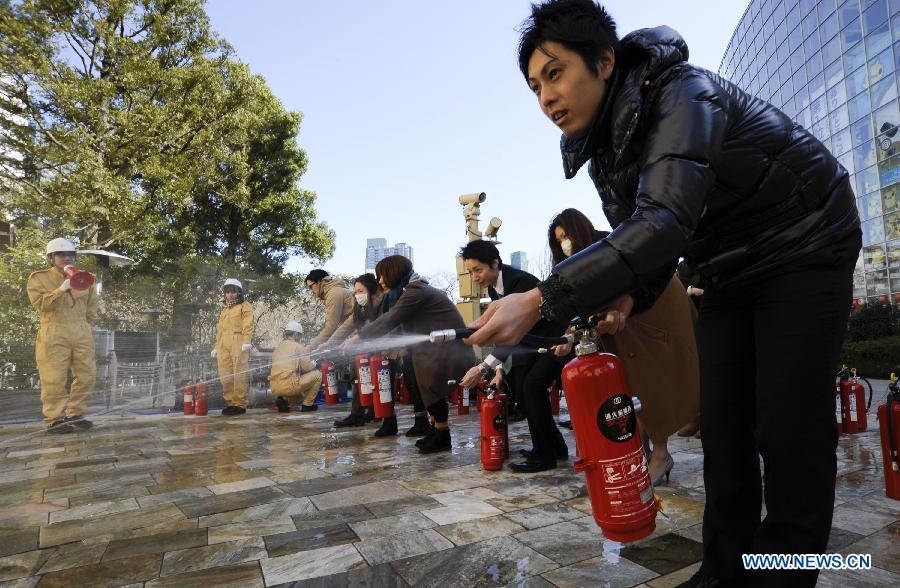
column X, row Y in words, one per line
column 408, row 104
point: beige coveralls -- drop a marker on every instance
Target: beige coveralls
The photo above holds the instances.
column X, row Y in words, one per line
column 293, row 374
column 235, row 329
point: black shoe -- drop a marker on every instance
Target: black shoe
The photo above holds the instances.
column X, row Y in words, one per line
column 702, row 580
column 438, row 441
column 388, row 427
column 233, row 410
column 566, row 424
column 282, row 404
column 562, row 454
column 427, row 436
column 80, row 423
column 60, row 427
column 310, row 408
column 370, row 414
column 421, row 427
column 350, row 420
column 530, row 466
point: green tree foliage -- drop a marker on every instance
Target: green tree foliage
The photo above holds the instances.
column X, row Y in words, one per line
column 129, row 125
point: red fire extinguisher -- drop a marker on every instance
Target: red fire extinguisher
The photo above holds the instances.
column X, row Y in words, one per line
column 201, row 398
column 889, row 419
column 851, row 403
column 403, row 395
column 364, row 375
column 493, row 432
column 554, row 398
column 79, row 279
column 382, row 395
column 330, row 380
column 612, row 458
column 188, row 398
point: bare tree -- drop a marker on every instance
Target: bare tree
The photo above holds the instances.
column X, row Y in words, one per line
column 446, row 282
column 542, row 268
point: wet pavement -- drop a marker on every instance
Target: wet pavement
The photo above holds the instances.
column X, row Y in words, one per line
column 270, row 499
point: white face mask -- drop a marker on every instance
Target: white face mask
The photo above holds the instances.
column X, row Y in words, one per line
column 362, row 299
column 566, row 246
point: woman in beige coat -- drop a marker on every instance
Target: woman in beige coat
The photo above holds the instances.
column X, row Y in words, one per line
column 657, row 349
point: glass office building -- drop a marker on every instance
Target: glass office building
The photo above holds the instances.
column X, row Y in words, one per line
column 832, row 66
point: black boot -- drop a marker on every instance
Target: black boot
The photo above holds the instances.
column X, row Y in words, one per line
column 233, row 410
column 437, row 441
column 282, row 404
column 308, row 408
column 427, row 436
column 702, row 580
column 421, row 427
column 351, row 420
column 60, row 427
column 80, row 423
column 370, row 414
column 388, row 427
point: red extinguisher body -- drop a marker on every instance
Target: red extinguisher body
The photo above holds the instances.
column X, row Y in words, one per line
column 890, row 411
column 846, row 418
column 462, row 400
column 188, row 391
column 493, row 426
column 554, row 398
column 858, row 410
column 504, row 408
column 364, row 375
column 609, row 443
column 382, row 394
column 201, row 398
column 330, row 380
column 403, row 395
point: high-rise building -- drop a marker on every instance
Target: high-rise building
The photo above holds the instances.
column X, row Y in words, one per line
column 831, row 65
column 377, row 249
column 519, row 260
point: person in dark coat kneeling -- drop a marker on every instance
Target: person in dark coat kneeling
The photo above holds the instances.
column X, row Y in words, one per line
column 416, row 307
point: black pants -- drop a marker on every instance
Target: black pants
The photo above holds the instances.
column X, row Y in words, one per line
column 515, row 381
column 768, row 355
column 545, row 436
column 409, row 377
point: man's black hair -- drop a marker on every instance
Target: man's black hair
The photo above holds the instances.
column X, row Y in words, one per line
column 317, row 275
column 481, row 250
column 582, row 26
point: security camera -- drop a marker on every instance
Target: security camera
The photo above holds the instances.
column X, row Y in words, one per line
column 473, row 198
column 493, row 227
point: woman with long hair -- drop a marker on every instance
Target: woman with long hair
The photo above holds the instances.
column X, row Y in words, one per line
column 657, row 349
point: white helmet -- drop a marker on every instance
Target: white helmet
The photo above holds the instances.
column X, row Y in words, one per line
column 59, row 245
column 232, row 282
column 294, row 326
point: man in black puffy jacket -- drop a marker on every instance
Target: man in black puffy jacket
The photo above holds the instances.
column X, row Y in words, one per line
column 689, row 165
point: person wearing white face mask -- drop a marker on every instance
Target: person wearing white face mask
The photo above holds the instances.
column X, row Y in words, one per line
column 367, row 297
column 658, row 350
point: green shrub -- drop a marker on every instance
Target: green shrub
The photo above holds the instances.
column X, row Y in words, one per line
column 873, row 320
column 875, row 358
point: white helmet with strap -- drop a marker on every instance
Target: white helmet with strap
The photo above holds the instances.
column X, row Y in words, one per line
column 232, row 282
column 294, row 326
column 60, row 245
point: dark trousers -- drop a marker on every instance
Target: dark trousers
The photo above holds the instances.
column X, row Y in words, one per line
column 515, row 381
column 545, row 436
column 768, row 355
column 409, row 376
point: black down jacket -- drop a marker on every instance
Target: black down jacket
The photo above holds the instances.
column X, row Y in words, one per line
column 687, row 164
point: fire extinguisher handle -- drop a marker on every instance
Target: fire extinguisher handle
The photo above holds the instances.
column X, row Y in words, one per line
column 582, row 466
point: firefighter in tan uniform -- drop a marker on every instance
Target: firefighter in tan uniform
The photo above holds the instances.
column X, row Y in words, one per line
column 293, row 374
column 65, row 340
column 233, row 347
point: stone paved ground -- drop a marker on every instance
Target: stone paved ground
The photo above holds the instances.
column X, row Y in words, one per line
column 286, row 500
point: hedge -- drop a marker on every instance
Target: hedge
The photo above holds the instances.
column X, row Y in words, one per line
column 874, row 358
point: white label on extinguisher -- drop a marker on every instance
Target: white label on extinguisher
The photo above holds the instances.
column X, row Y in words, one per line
column 384, row 385
column 365, row 379
column 495, row 450
column 853, row 407
column 465, row 396
column 627, row 483
column 332, row 384
column 188, row 399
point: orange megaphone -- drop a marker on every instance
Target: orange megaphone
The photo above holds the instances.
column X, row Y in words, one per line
column 79, row 279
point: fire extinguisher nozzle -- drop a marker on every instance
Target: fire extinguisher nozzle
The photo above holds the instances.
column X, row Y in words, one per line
column 445, row 335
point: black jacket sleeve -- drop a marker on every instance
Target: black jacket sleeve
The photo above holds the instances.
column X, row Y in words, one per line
column 685, row 127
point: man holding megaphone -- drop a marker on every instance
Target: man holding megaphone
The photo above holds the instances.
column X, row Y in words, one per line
column 66, row 300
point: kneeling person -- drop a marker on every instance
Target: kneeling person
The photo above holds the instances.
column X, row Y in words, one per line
column 293, row 374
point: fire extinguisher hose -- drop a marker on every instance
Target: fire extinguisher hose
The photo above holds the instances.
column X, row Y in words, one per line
column 529, row 340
